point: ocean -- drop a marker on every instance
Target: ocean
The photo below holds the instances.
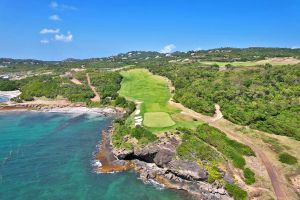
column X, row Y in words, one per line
column 50, row 156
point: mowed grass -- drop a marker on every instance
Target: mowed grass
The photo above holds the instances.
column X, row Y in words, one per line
column 152, row 91
column 158, row 120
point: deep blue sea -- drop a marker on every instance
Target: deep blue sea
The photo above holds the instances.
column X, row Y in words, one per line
column 49, row 156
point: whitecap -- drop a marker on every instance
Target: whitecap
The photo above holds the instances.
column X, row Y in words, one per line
column 97, row 163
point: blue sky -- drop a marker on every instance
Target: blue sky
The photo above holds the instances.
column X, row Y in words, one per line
column 54, row 30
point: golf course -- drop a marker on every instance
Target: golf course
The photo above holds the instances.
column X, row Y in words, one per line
column 152, row 94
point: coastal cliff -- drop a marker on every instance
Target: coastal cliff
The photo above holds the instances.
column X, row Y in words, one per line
column 157, row 162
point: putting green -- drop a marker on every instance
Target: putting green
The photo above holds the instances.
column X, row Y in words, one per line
column 158, row 119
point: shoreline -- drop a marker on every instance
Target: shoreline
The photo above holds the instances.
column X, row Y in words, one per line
column 67, row 109
column 112, row 160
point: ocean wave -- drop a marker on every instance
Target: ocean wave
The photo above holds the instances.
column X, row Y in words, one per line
column 96, row 163
column 156, row 184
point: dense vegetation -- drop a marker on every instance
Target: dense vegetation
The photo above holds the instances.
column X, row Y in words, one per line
column 107, row 83
column 195, row 146
column 265, row 98
column 236, row 192
column 249, row 176
column 51, row 87
column 287, row 159
column 6, row 85
column 123, row 133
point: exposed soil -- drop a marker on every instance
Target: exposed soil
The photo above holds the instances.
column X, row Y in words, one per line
column 97, row 96
column 76, row 81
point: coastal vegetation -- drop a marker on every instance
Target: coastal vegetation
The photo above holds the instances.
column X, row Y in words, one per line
column 264, row 98
column 212, row 146
column 7, row 85
column 236, row 192
column 107, row 83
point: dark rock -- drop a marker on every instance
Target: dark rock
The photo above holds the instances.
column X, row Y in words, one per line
column 187, row 170
column 146, row 154
column 163, row 157
column 122, row 153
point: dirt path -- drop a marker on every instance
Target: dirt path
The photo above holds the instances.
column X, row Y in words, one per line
column 97, row 97
column 277, row 180
column 76, row 81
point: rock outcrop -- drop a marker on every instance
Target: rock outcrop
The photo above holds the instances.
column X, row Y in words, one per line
column 157, row 161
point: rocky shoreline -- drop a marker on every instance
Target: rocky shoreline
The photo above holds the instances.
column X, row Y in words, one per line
column 72, row 109
column 157, row 162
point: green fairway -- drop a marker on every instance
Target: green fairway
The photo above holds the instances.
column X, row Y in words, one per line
column 158, row 119
column 152, row 91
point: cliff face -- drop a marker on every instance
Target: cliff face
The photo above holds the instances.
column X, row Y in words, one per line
column 157, row 161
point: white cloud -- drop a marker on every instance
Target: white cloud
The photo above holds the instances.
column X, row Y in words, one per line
column 55, row 18
column 46, row 31
column 295, row 47
column 198, row 49
column 168, row 48
column 55, row 5
column 44, row 41
column 64, row 38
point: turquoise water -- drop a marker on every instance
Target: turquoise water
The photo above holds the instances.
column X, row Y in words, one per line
column 49, row 156
column 3, row 99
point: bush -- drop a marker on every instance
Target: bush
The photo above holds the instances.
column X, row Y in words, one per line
column 143, row 135
column 236, row 192
column 287, row 159
column 249, row 176
column 213, row 173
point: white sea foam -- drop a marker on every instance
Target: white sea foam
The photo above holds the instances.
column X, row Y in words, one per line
column 155, row 184
column 97, row 163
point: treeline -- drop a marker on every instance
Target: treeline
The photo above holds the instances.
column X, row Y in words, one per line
column 52, row 87
column 7, row 85
column 265, row 98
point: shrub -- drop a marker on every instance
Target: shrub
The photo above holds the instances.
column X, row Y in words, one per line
column 287, row 159
column 236, row 192
column 213, row 173
column 249, row 176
